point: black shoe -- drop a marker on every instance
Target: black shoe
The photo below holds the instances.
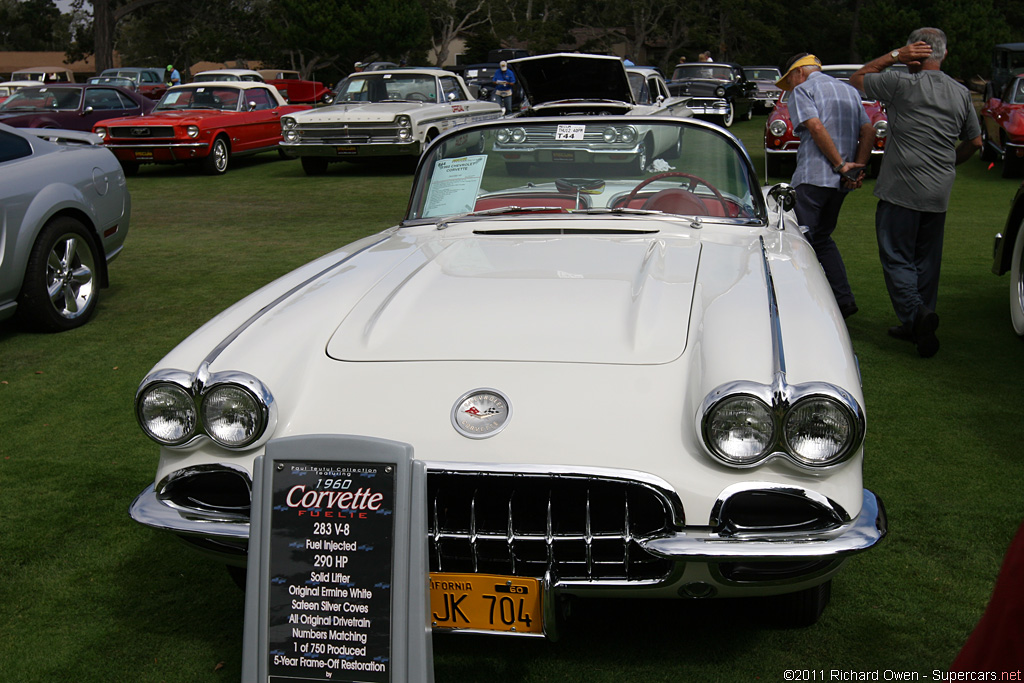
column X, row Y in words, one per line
column 925, row 324
column 901, row 332
column 848, row 310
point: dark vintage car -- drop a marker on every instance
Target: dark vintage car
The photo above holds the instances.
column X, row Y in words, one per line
column 481, row 78
column 781, row 142
column 764, row 77
column 1007, row 62
column 205, row 123
column 71, row 106
column 1008, row 257
column 718, row 91
column 148, row 80
column 1002, row 126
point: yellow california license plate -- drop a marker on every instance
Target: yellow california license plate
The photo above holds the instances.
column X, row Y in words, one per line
column 345, row 150
column 143, row 154
column 486, row 602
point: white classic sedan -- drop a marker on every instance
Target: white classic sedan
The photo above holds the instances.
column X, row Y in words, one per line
column 64, row 215
column 621, row 382
column 382, row 114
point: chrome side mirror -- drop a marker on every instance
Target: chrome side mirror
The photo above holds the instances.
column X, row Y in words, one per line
column 784, row 196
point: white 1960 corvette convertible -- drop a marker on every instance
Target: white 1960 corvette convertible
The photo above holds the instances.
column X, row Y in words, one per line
column 622, row 381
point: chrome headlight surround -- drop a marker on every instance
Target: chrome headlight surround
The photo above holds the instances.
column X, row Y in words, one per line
column 777, row 128
column 287, row 123
column 720, row 91
column 625, row 134
column 815, row 425
column 192, row 131
column 102, row 132
column 881, row 129
column 404, row 124
column 233, row 409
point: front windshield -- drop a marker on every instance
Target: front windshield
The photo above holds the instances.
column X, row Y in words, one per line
column 222, row 98
column 638, row 84
column 717, row 73
column 206, row 78
column 585, row 165
column 387, row 87
column 48, row 98
column 762, row 74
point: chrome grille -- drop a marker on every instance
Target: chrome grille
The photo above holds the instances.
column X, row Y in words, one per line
column 583, row 528
column 142, row 132
column 348, row 133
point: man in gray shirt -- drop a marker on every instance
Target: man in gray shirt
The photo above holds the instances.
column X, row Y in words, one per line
column 932, row 127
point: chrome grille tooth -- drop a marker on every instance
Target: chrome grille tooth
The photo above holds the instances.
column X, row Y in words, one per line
column 588, row 536
column 549, row 536
column 627, row 536
column 437, row 534
column 511, row 536
column 472, row 532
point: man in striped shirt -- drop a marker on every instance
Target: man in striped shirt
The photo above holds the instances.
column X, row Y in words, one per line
column 835, row 144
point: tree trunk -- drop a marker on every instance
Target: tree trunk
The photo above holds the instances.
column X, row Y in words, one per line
column 103, row 28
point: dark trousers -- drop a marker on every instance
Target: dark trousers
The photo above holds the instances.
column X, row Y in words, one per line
column 910, row 248
column 817, row 208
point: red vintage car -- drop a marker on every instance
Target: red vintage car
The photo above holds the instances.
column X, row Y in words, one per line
column 781, row 143
column 296, row 89
column 1002, row 127
column 205, row 123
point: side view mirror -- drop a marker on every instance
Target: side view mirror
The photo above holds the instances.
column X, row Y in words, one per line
column 251, row 105
column 784, row 195
column 451, row 97
column 88, row 110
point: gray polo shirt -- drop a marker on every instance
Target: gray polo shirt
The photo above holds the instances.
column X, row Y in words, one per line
column 928, row 114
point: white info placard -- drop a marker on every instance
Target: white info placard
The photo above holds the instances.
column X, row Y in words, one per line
column 454, row 185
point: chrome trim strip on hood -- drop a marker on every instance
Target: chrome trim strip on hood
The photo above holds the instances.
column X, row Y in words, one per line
column 217, row 350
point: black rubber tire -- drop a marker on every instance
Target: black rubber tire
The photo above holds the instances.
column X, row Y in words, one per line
column 314, row 165
column 62, row 277
column 217, row 161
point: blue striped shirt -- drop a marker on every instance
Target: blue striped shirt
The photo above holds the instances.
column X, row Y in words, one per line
column 837, row 105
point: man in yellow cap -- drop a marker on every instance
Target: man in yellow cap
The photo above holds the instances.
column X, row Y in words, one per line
column 835, row 139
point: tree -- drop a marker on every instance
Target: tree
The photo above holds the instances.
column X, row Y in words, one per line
column 451, row 19
column 32, row 25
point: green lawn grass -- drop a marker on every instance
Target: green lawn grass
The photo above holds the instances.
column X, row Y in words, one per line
column 88, row 595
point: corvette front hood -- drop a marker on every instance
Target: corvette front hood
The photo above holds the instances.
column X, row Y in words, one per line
column 579, row 298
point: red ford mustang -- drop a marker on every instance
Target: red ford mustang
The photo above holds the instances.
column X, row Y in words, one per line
column 206, row 123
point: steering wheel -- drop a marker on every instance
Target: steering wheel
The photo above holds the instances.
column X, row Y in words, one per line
column 417, row 96
column 694, row 182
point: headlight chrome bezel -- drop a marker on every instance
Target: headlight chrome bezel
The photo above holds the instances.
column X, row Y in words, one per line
column 777, row 128
column 197, row 387
column 783, row 402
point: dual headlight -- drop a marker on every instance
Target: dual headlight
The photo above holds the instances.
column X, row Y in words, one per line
column 404, row 124
column 233, row 409
column 514, row 135
column 289, row 129
column 625, row 134
column 813, row 426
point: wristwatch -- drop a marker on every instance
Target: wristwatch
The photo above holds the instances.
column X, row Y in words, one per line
column 838, row 167
column 895, row 54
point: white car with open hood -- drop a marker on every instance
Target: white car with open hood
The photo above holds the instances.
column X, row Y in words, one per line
column 621, row 382
column 574, row 84
column 382, row 114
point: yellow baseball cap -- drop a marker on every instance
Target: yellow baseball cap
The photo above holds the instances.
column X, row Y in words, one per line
column 806, row 60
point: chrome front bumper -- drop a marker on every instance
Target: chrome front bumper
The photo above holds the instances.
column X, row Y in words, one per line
column 689, row 545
